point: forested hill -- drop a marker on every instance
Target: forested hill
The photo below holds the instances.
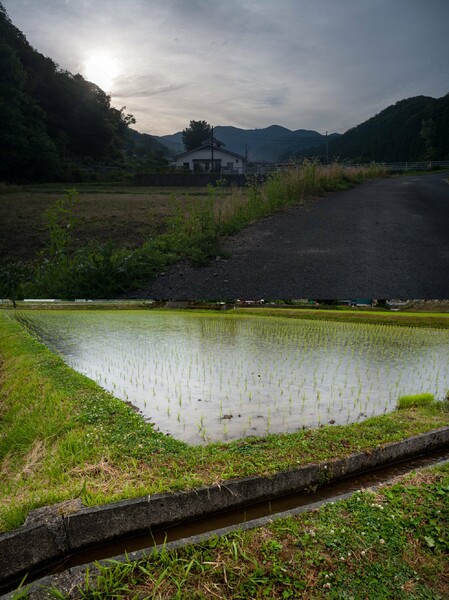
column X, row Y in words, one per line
column 50, row 120
column 412, row 129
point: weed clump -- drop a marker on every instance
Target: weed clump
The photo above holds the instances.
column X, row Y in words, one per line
column 415, row 401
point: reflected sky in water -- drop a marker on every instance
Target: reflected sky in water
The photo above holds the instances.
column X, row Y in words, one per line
column 209, row 377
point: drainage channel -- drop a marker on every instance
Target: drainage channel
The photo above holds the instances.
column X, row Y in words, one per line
column 251, row 513
column 249, row 517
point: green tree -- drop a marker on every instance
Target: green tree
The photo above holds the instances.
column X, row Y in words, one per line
column 195, row 134
column 427, row 132
column 26, row 151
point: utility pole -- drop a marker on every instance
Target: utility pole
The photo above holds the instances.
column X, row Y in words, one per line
column 212, row 148
column 327, row 150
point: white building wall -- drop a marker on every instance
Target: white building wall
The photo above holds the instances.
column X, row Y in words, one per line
column 206, row 155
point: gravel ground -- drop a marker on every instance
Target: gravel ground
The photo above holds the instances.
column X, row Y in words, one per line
column 386, row 238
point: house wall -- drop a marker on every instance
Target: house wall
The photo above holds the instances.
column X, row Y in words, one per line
column 204, row 155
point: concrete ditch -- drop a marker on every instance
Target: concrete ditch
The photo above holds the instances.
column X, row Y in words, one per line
column 52, row 533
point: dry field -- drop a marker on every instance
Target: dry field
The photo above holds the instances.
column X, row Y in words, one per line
column 126, row 215
column 130, row 215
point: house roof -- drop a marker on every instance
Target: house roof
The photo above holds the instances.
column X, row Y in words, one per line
column 208, row 145
column 217, row 143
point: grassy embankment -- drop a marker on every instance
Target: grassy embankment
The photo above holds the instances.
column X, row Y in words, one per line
column 389, row 544
column 96, row 245
column 62, row 437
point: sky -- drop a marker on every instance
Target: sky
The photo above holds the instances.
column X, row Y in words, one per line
column 325, row 65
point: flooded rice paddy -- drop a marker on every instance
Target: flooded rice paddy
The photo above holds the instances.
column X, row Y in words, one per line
column 211, row 377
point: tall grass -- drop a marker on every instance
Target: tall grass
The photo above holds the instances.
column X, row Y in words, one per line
column 202, row 226
column 194, row 232
column 7, row 188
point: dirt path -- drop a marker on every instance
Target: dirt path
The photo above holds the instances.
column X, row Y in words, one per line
column 387, row 238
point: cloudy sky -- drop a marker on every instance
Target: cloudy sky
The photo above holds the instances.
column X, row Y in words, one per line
column 303, row 64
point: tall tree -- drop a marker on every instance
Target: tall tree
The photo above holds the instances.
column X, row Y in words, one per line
column 195, row 134
column 427, row 132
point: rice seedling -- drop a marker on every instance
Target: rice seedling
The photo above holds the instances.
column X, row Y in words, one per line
column 312, row 372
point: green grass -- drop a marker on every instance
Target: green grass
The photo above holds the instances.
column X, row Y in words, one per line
column 392, row 543
column 63, row 437
column 415, row 401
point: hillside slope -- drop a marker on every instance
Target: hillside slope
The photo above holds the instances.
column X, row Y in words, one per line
column 51, row 121
column 412, row 129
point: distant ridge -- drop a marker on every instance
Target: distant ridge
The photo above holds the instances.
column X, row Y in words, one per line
column 269, row 143
column 415, row 128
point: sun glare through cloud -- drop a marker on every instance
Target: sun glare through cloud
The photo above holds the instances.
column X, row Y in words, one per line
column 311, row 64
column 101, row 69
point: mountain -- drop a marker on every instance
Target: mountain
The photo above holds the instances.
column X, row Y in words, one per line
column 285, row 146
column 413, row 129
column 251, row 141
column 269, row 143
column 142, row 144
column 172, row 142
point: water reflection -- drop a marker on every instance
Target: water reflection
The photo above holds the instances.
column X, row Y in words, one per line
column 209, row 377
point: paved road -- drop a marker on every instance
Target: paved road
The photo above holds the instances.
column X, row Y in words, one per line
column 386, row 238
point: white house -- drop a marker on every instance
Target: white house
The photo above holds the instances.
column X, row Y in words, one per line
column 199, row 160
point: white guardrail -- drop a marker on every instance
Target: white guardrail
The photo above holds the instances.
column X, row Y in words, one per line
column 267, row 169
column 411, row 166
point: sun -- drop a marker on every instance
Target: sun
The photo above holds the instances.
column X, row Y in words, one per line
column 101, row 68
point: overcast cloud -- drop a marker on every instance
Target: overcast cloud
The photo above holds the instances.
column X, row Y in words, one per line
column 311, row 64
